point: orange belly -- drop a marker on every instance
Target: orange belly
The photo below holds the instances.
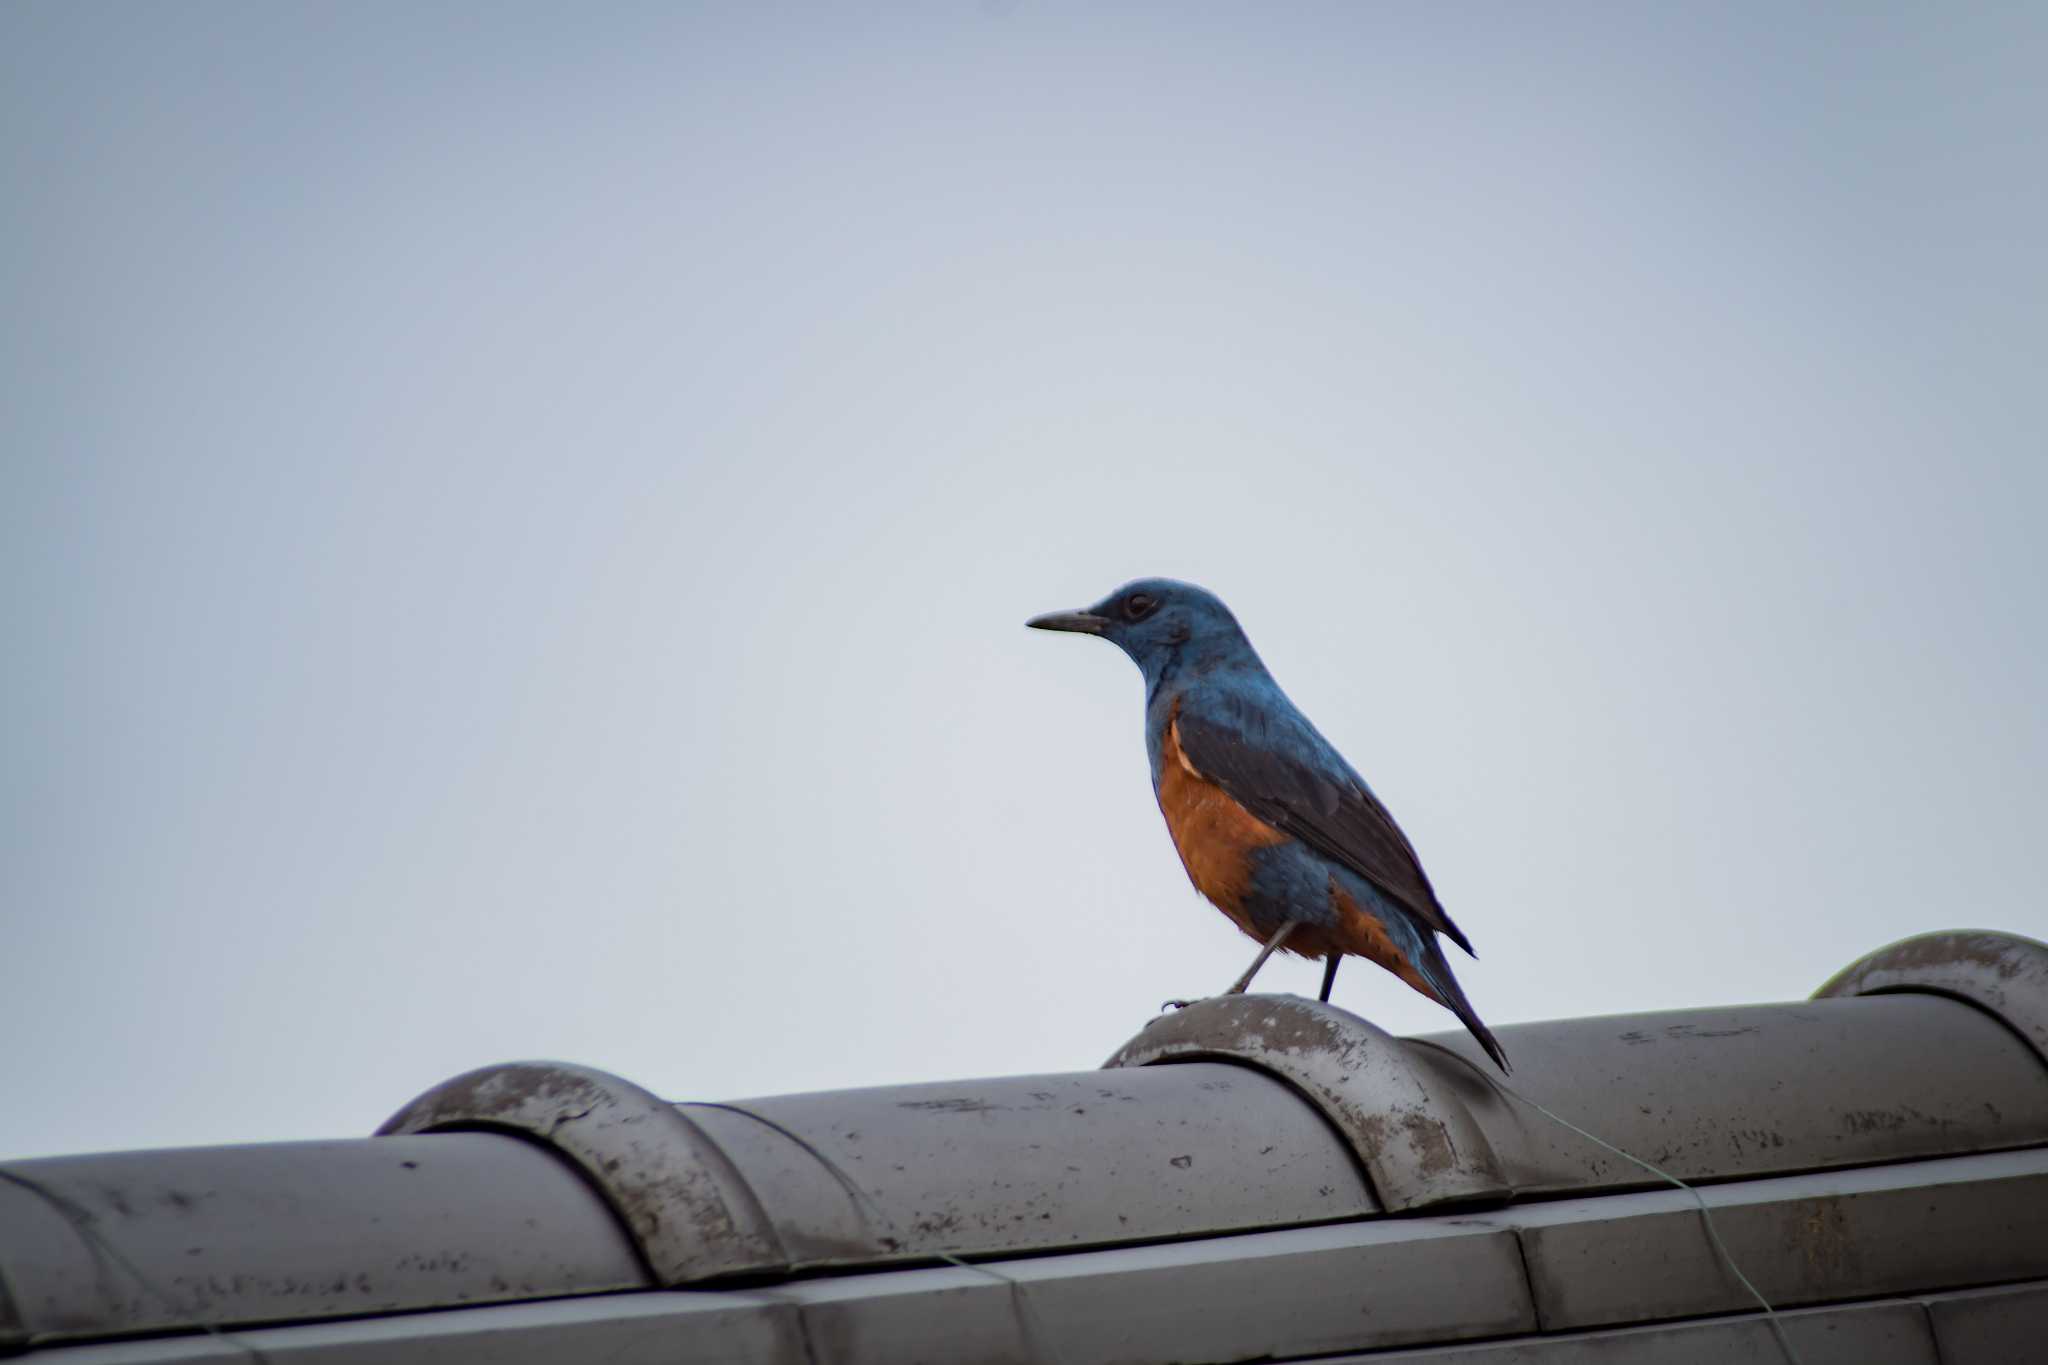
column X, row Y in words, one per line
column 1216, row 838
column 1214, row 835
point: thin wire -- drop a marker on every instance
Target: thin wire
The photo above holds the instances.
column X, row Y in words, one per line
column 83, row 1223
column 1036, row 1340
column 1706, row 1214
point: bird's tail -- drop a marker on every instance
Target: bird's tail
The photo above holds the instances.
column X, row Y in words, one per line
column 1436, row 969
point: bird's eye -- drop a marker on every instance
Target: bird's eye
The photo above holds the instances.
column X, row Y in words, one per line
column 1139, row 605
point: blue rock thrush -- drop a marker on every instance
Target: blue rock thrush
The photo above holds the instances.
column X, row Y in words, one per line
column 1273, row 826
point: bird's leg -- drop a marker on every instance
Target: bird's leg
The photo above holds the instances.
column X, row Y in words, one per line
column 1329, row 975
column 1260, row 960
column 1237, row 988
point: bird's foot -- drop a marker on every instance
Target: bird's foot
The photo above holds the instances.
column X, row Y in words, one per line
column 1176, row 1005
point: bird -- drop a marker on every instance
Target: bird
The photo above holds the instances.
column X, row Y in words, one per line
column 1274, row 828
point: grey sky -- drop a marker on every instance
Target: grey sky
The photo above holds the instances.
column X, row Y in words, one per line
column 517, row 519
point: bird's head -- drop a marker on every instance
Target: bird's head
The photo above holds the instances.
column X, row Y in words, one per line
column 1157, row 621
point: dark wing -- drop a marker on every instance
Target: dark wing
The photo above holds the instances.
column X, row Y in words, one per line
column 1274, row 764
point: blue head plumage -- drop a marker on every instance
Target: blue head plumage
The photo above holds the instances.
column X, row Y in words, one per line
column 1166, row 626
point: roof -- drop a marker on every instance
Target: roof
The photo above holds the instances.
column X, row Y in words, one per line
column 1251, row 1177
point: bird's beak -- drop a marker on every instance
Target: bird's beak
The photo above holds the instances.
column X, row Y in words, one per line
column 1080, row 622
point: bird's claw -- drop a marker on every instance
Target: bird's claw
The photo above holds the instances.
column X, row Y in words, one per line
column 1174, row 1005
